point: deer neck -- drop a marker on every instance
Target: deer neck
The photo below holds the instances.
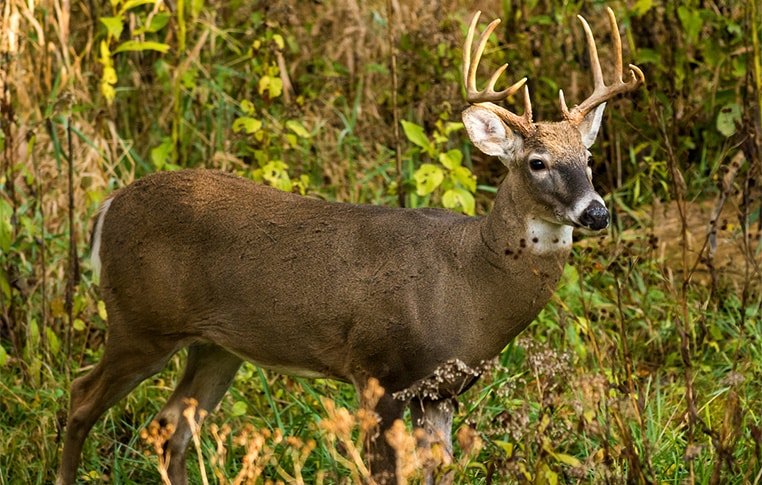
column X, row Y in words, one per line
column 522, row 259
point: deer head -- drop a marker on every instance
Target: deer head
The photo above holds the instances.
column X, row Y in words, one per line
column 550, row 161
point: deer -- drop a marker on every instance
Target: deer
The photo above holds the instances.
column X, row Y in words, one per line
column 237, row 271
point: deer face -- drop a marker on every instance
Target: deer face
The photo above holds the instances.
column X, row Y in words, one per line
column 548, row 168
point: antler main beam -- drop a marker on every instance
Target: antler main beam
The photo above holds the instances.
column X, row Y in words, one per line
column 601, row 92
column 487, row 96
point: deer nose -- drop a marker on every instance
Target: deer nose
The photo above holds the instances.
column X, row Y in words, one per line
column 595, row 217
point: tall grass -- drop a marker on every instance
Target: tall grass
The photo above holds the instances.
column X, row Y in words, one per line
column 642, row 369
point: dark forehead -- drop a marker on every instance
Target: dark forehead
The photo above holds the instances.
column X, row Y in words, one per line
column 559, row 139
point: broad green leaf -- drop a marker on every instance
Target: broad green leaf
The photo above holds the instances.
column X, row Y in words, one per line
column 416, row 135
column 114, row 25
column 239, row 408
column 459, row 198
column 728, row 119
column 3, row 356
column 158, row 22
column 161, row 154
column 134, row 45
column 427, row 178
column 451, row 159
column 247, row 124
column 78, row 324
column 278, row 39
column 298, row 128
column 464, row 177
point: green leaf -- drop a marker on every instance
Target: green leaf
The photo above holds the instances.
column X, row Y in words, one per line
column 427, row 178
column 272, row 84
column 161, row 154
column 642, row 7
column 298, row 128
column 451, row 159
column 452, row 126
column 247, row 124
column 275, row 173
column 158, row 22
column 729, row 118
column 3, row 356
column 129, row 4
column 247, row 107
column 78, row 324
column 239, row 408
column 134, row 45
column 6, row 228
column 464, row 177
column 459, row 198
column 690, row 19
column 416, row 135
column 53, row 343
column 114, row 25
column 196, row 7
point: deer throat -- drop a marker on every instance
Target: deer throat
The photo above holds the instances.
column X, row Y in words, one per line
column 543, row 237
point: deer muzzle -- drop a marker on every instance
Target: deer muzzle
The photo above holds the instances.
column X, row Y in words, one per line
column 595, row 216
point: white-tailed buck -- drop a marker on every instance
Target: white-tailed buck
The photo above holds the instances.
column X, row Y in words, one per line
column 237, row 271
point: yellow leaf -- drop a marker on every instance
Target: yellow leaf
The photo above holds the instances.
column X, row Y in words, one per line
column 567, row 459
column 102, row 310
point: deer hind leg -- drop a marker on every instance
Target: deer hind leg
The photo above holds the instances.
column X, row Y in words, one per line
column 127, row 361
column 209, row 371
column 435, row 418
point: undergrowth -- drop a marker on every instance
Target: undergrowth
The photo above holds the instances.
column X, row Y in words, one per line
column 644, row 368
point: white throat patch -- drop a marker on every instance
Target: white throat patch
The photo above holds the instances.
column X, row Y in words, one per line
column 544, row 237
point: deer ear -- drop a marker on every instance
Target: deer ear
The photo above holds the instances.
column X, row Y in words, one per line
column 488, row 132
column 590, row 125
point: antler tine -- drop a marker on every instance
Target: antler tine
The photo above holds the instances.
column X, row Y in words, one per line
column 601, row 92
column 488, row 95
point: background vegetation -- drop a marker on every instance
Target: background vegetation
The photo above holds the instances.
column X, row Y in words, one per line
column 643, row 369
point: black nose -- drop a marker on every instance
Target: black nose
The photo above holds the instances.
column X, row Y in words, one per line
column 595, row 217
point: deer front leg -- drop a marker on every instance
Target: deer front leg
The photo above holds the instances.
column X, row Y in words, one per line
column 382, row 458
column 435, row 418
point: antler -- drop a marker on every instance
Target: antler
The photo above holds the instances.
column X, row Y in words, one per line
column 601, row 92
column 486, row 96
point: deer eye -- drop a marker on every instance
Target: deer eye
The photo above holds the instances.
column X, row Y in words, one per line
column 590, row 162
column 536, row 164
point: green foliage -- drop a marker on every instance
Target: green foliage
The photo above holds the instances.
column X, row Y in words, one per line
column 454, row 181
